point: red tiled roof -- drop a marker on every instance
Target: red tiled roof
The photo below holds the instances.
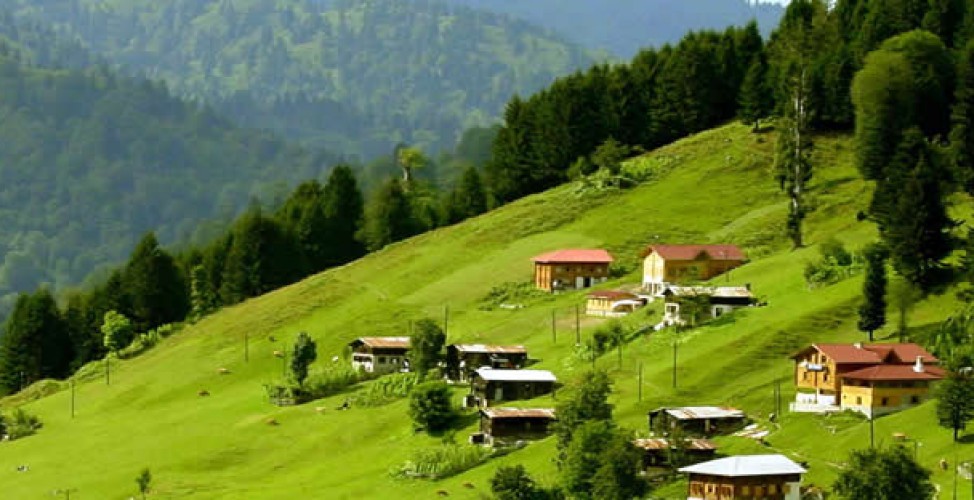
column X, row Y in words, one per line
column 690, row 252
column 613, row 295
column 895, row 372
column 587, row 256
column 873, row 353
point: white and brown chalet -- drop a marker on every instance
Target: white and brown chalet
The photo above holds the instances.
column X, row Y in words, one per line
column 380, row 354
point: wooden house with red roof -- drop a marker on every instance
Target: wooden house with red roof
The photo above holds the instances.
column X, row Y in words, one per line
column 571, row 269
column 873, row 379
column 664, row 265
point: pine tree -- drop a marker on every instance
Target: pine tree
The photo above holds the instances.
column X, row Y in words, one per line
column 872, row 313
column 35, row 344
column 917, row 232
column 962, row 120
column 203, row 299
column 343, row 210
column 754, row 100
column 156, row 288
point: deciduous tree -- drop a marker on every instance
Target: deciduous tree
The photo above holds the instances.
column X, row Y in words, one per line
column 426, row 345
column 955, row 403
column 883, row 474
column 303, row 354
column 430, row 406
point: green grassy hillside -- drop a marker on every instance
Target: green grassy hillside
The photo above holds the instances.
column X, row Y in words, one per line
column 715, row 186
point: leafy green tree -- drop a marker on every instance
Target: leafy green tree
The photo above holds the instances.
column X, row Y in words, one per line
column 610, row 154
column 589, row 400
column 872, row 312
column 303, row 354
column 430, row 406
column 883, row 474
column 754, row 101
column 955, row 403
column 618, row 478
column 426, row 345
column 389, row 217
column 410, row 159
column 117, row 331
column 512, row 482
column 156, row 288
column 883, row 96
column 583, row 457
column 144, row 480
column 203, row 300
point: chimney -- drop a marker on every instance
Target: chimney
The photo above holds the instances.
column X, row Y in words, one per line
column 857, row 345
column 918, row 367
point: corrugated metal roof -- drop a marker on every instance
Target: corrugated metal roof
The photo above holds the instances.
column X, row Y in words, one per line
column 493, row 374
column 383, row 342
column 691, row 252
column 701, row 412
column 490, row 349
column 579, row 256
column 895, row 372
column 747, row 465
column 664, row 443
column 495, row 413
column 718, row 292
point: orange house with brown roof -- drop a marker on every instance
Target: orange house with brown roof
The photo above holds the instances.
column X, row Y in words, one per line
column 873, row 379
column 664, row 265
column 571, row 269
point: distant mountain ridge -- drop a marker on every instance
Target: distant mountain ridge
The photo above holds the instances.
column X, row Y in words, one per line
column 622, row 27
column 413, row 72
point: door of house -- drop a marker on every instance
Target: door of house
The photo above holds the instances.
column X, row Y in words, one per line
column 579, row 282
column 499, row 393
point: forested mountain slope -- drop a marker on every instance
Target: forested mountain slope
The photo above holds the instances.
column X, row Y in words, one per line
column 624, row 26
column 90, row 160
column 713, row 187
column 379, row 71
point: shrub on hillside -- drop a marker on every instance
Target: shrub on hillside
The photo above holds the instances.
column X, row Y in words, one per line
column 430, row 406
column 443, row 461
column 835, row 264
column 510, row 294
column 21, row 424
column 387, row 389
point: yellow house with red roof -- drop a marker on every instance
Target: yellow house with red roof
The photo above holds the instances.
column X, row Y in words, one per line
column 873, row 379
column 571, row 269
column 664, row 265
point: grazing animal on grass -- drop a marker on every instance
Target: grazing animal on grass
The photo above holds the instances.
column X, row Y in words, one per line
column 204, row 393
column 443, row 493
column 272, row 421
column 278, row 354
column 223, row 371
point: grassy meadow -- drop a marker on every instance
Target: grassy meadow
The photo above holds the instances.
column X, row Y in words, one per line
column 713, row 187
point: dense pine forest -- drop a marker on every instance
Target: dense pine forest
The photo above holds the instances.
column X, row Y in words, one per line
column 363, row 76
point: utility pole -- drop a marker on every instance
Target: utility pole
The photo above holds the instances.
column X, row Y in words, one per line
column 246, row 347
column 640, row 386
column 578, row 328
column 872, row 433
column 674, row 362
column 108, row 360
column 72, row 398
column 446, row 319
column 554, row 332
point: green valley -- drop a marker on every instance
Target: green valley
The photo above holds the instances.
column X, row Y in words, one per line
column 714, row 186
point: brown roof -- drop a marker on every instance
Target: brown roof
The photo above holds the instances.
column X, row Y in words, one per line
column 490, row 349
column 895, row 372
column 586, row 256
column 663, row 443
column 691, row 252
column 494, row 413
column 613, row 295
column 872, row 353
column 383, row 342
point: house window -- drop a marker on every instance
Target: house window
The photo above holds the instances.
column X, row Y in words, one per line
column 772, row 489
column 858, row 400
column 745, row 490
column 914, row 400
column 884, row 402
column 825, row 377
column 382, row 360
column 804, row 375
